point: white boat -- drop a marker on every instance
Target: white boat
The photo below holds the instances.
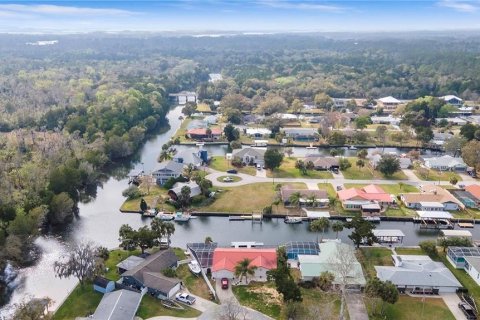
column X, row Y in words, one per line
column 165, row 216
column 150, row 213
column 182, row 217
column 200, row 144
column 352, row 148
column 292, row 220
column 311, row 146
column 194, row 267
column 373, row 219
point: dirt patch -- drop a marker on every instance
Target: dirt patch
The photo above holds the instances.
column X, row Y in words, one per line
column 271, row 295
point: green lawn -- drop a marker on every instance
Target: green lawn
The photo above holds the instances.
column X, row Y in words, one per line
column 388, row 188
column 195, row 284
column 370, row 257
column 155, row 197
column 219, row 163
column 434, row 175
column 367, row 173
column 288, row 170
column 329, row 188
column 203, row 107
column 234, row 178
column 408, row 308
column 82, row 302
column 113, row 259
column 410, row 251
column 402, row 211
column 152, row 307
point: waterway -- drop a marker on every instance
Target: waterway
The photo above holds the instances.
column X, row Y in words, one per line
column 100, row 219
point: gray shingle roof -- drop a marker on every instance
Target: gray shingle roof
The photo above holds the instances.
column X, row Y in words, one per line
column 156, row 262
column 118, row 305
column 253, row 152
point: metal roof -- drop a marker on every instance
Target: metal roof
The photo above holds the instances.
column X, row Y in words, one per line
column 457, row 233
column 434, row 214
column 388, row 233
column 118, row 305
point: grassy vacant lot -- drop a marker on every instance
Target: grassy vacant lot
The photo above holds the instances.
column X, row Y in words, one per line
column 388, row 188
column 367, row 173
column 264, row 298
column 152, row 307
column 235, row 178
column 329, row 188
column 434, row 175
column 82, row 302
column 402, row 211
column 288, row 170
column 408, row 308
column 196, row 285
column 259, row 196
column 155, row 198
column 370, row 257
column 219, row 163
column 203, row 107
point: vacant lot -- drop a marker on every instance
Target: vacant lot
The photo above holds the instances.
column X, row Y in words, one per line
column 288, row 170
column 434, row 175
column 367, row 173
column 219, row 163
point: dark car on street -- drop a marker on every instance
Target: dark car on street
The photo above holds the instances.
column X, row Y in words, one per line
column 233, row 171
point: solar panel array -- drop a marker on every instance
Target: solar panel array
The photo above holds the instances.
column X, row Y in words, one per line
column 294, row 248
column 203, row 252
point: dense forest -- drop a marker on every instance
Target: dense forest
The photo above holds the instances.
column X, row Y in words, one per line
column 69, row 109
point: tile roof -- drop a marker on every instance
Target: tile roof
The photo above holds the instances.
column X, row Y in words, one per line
column 370, row 192
column 227, row 258
column 203, row 131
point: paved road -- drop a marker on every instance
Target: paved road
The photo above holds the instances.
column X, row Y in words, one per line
column 356, row 307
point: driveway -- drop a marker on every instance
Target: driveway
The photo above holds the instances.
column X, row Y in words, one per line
column 356, row 307
column 452, row 300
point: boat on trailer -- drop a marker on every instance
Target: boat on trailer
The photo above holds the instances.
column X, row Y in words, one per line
column 194, row 267
column 293, row 220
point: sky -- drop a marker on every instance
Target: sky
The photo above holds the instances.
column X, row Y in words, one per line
column 238, row 15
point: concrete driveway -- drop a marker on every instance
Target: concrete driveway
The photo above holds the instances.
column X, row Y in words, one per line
column 452, row 300
column 356, row 307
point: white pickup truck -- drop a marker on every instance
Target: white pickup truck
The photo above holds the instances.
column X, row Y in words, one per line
column 185, row 298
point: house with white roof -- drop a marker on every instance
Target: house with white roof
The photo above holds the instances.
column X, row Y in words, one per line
column 301, row 134
column 418, row 274
column 388, row 104
column 394, row 121
column 258, row 132
column 453, row 120
column 453, row 100
column 446, row 163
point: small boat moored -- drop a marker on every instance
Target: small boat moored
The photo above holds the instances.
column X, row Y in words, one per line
column 292, row 220
column 149, row 213
column 311, row 146
column 373, row 219
column 352, row 148
column 194, row 267
column 165, row 216
column 182, row 217
column 200, row 144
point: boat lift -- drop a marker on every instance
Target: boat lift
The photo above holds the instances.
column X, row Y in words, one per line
column 434, row 220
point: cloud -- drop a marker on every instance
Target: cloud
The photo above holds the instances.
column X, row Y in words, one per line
column 285, row 4
column 461, row 6
column 44, row 9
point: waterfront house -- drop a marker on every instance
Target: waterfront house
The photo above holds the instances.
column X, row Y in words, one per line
column 118, row 305
column 148, row 274
column 103, row 285
column 439, row 138
column 250, row 156
column 453, row 100
column 307, row 196
column 389, row 120
column 225, row 260
column 258, row 132
column 465, row 197
column 445, row 163
column 188, row 157
column 354, row 198
column 430, row 199
column 176, row 190
column 295, row 248
column 167, row 170
column 323, row 163
column 388, row 104
column 202, row 134
column 301, row 134
column 197, row 124
column 332, row 255
column 129, row 263
column 405, row 163
column 456, row 255
column 418, row 274
column 203, row 253
column 474, row 190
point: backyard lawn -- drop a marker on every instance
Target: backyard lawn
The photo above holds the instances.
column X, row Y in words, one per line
column 370, row 257
column 288, row 170
column 434, row 175
column 366, row 172
column 113, row 259
column 329, row 188
column 152, row 307
column 195, row 284
column 82, row 302
column 219, row 163
column 388, row 188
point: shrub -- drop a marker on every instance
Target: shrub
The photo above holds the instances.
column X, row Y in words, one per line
column 429, row 247
column 169, row 272
column 267, row 210
column 132, row 192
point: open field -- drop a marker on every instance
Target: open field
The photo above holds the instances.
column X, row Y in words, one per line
column 434, row 175
column 288, row 170
column 219, row 163
column 367, row 173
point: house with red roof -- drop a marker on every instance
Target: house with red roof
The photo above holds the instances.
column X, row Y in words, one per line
column 356, row 198
column 225, row 260
column 202, row 134
column 474, row 190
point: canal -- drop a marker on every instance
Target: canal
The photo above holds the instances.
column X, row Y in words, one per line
column 100, row 219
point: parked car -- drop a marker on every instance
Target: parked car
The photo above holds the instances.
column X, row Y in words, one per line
column 227, row 179
column 185, row 298
column 339, row 188
column 467, row 310
column 233, row 171
column 224, row 283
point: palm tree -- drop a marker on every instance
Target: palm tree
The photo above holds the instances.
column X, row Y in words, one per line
column 312, row 199
column 165, row 155
column 337, row 227
column 188, row 171
column 295, row 199
column 243, row 269
column 320, row 225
